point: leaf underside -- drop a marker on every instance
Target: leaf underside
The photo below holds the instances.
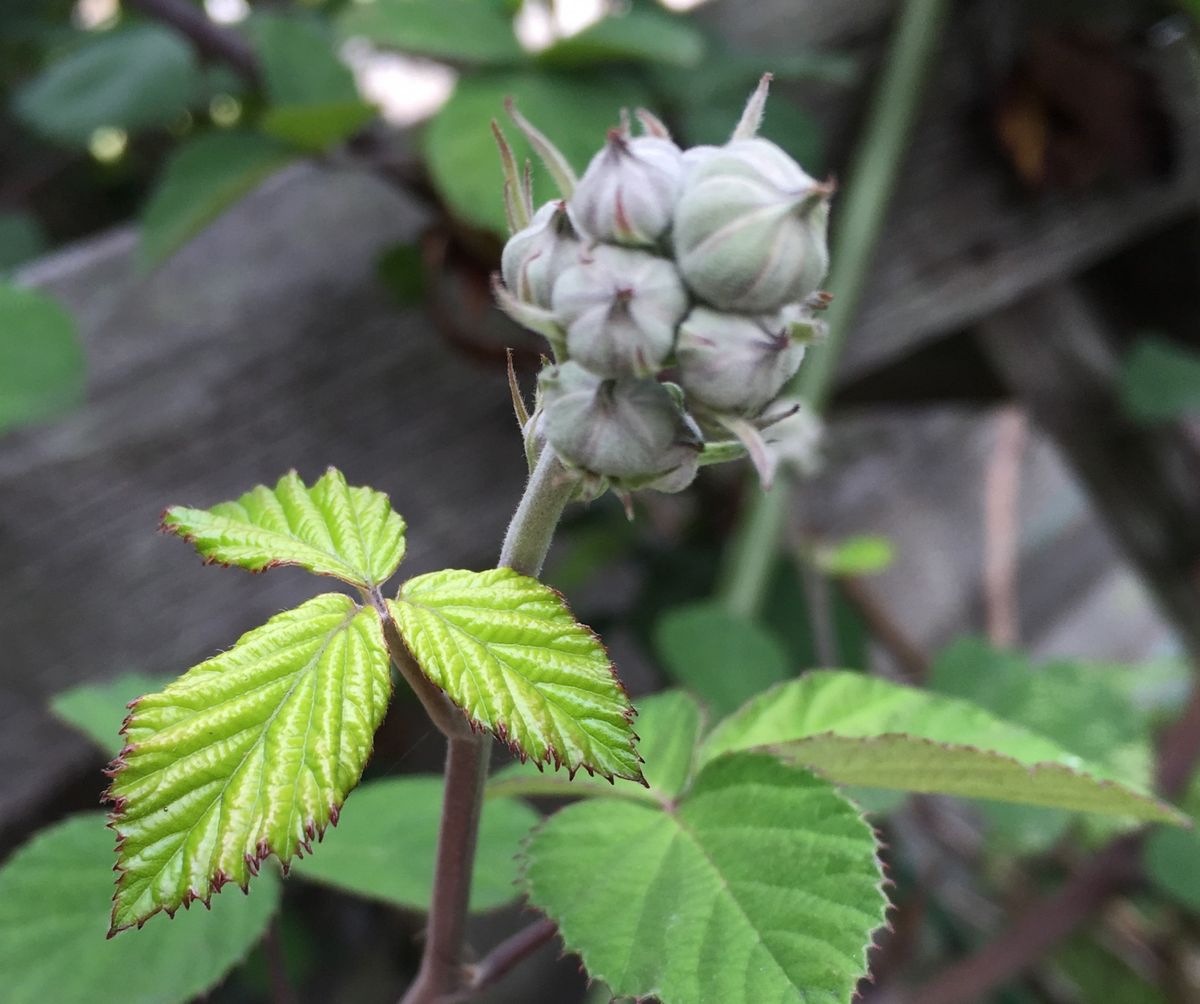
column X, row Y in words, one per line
column 763, row 885
column 862, row 730
column 248, row 754
column 507, row 650
column 349, row 533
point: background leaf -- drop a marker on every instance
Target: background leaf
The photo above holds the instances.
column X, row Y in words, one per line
column 866, row 554
column 55, row 897
column 638, row 35
column 507, row 650
column 98, row 709
column 725, row 659
column 1160, row 380
column 329, row 529
column 41, row 360
column 247, row 754
column 21, row 238
column 202, row 179
column 299, row 63
column 315, row 102
column 861, row 730
column 139, row 76
column 460, row 30
column 385, row 847
column 1086, row 708
column 762, row 886
column 319, row 126
column 574, row 111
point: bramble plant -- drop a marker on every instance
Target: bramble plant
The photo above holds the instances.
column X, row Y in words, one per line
column 699, row 863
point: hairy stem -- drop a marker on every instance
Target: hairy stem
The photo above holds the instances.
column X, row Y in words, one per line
column 859, row 220
column 442, row 975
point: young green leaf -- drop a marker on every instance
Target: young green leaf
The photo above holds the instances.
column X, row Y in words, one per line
column 144, row 75
column 669, row 726
column 202, row 179
column 385, row 848
column 726, row 659
column 866, row 554
column 97, row 709
column 41, row 360
column 508, row 651
column 856, row 729
column 54, row 910
column 762, row 885
column 332, row 529
column 248, row 754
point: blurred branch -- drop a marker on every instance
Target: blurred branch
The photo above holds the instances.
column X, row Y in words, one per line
column 494, row 966
column 210, row 39
column 1002, row 483
column 1055, row 354
column 1040, row 928
column 858, row 221
column 912, row 662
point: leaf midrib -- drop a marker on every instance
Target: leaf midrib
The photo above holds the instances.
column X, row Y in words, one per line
column 452, row 626
column 148, row 878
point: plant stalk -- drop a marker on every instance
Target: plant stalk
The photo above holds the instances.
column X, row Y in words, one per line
column 858, row 223
column 443, row 975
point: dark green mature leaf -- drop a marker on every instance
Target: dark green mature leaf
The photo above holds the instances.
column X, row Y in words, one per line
column 144, row 75
column 1172, row 861
column 385, row 848
column 319, row 126
column 98, row 709
column 508, row 651
column 299, row 62
column 203, row 178
column 315, row 102
column 41, row 360
column 248, row 754
column 21, row 238
column 639, row 35
column 762, row 885
column 669, row 726
column 332, row 529
column 574, row 111
column 725, row 659
column 1160, row 380
column 460, row 30
column 54, row 910
column 860, row 730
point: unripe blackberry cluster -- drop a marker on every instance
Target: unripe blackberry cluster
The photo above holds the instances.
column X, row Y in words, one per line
column 700, row 265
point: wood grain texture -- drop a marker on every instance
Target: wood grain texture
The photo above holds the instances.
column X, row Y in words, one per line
column 265, row 344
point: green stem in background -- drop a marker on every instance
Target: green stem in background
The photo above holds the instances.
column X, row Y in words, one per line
column 443, row 974
column 858, row 223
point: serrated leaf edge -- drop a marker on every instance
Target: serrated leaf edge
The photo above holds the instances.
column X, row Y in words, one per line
column 500, row 732
column 783, row 750
column 253, row 861
column 654, row 995
column 174, row 530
